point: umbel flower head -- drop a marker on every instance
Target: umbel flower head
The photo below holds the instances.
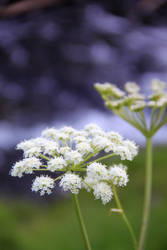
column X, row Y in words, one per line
column 130, row 104
column 74, row 155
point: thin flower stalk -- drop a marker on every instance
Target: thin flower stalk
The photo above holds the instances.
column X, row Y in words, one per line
column 148, row 188
column 81, row 222
column 130, row 229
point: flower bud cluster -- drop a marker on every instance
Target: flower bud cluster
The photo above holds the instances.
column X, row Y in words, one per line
column 71, row 154
column 116, row 99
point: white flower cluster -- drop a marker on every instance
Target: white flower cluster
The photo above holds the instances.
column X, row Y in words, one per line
column 26, row 166
column 56, row 163
column 71, row 153
column 132, row 98
column 43, row 184
column 103, row 191
column 118, row 175
column 100, row 179
column 71, row 182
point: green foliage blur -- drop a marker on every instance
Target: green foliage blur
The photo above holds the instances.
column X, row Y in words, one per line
column 28, row 225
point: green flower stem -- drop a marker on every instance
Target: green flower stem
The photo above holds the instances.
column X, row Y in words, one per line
column 45, row 169
column 79, row 169
column 44, row 157
column 159, row 126
column 105, row 157
column 147, row 198
column 125, row 219
column 61, row 170
column 40, row 169
column 99, row 159
column 137, row 119
column 153, row 118
column 81, row 222
column 143, row 119
column 58, row 178
column 132, row 122
column 160, row 116
column 90, row 156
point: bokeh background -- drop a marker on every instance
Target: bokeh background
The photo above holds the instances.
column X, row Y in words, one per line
column 51, row 54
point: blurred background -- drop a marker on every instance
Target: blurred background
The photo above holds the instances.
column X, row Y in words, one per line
column 51, row 54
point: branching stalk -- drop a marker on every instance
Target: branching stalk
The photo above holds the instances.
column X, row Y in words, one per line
column 133, row 123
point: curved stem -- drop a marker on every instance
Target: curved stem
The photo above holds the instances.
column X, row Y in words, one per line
column 81, row 222
column 147, row 198
column 125, row 219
